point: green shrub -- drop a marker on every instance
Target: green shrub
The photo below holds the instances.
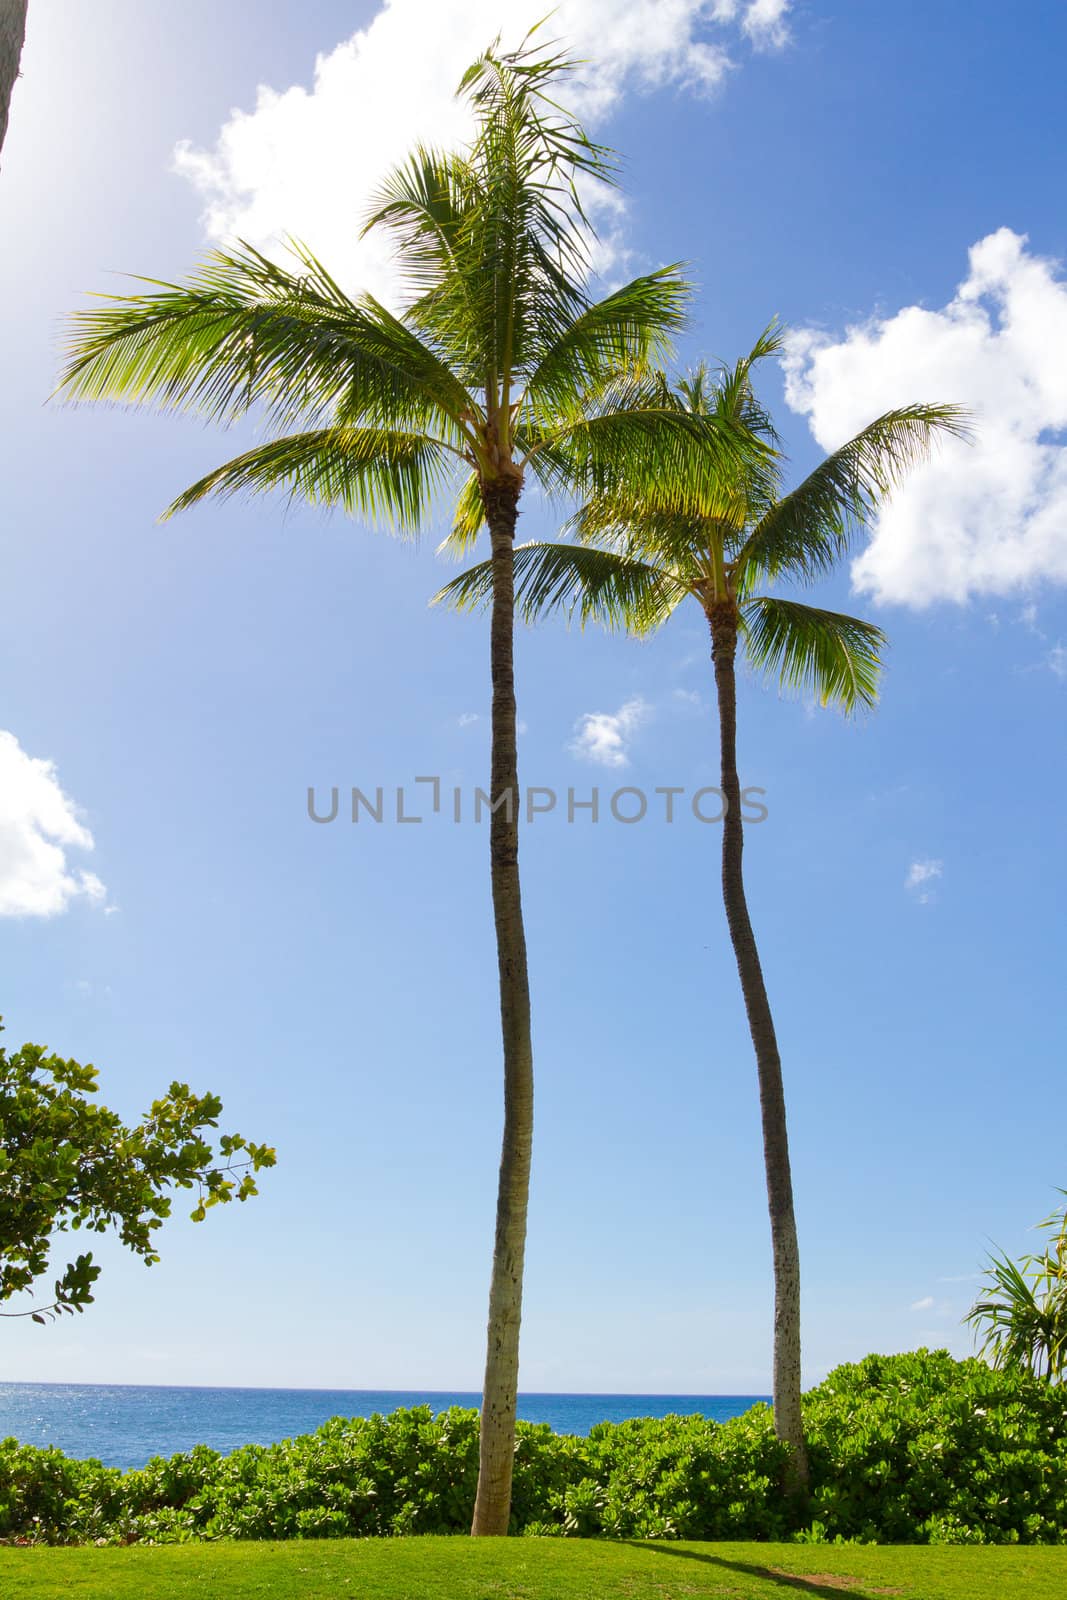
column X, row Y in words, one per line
column 923, row 1448
column 687, row 1478
column 45, row 1495
column 912, row 1448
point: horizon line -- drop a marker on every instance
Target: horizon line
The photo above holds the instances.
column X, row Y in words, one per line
column 283, row 1388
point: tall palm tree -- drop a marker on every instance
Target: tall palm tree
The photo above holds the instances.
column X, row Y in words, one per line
column 500, row 368
column 636, row 558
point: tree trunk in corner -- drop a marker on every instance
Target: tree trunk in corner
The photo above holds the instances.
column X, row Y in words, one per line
column 788, row 1422
column 492, row 1507
column 12, row 33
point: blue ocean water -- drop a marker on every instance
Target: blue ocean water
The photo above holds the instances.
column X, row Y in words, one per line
column 124, row 1425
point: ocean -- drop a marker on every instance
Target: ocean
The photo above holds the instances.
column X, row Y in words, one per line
column 124, row 1425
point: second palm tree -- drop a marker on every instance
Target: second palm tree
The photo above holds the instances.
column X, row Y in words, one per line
column 636, row 557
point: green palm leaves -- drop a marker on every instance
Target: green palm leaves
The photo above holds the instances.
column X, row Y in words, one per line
column 801, row 536
column 618, row 591
column 500, row 364
column 641, row 543
column 835, row 658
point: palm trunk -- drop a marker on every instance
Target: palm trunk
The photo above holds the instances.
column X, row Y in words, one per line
column 492, row 1507
column 788, row 1422
column 12, row 33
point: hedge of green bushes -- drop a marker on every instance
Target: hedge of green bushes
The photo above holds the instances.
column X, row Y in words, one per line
column 910, row 1448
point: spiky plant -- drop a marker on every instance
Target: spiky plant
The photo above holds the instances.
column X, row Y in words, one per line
column 1021, row 1313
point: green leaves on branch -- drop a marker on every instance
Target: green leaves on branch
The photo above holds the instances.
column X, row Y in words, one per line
column 69, row 1163
column 73, row 1291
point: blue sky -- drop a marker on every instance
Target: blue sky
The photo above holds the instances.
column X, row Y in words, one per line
column 336, row 985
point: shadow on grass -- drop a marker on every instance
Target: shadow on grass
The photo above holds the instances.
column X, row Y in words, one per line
column 824, row 1584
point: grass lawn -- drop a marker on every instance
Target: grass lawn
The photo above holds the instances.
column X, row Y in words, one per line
column 533, row 1569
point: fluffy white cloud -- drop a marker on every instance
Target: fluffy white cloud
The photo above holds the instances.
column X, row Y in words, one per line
column 764, row 22
column 925, row 1304
column 38, row 825
column 305, row 161
column 990, row 518
column 604, row 736
column 921, row 874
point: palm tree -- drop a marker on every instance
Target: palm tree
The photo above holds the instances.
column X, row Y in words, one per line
column 501, row 368
column 635, row 560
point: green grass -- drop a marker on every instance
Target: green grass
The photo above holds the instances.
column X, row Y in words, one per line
column 533, row 1569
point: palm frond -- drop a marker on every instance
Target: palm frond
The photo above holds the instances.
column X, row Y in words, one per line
column 805, row 533
column 732, row 392
column 387, row 476
column 495, row 243
column 597, row 585
column 512, row 92
column 633, row 526
column 245, row 331
column 634, row 441
column 747, row 487
column 425, row 202
column 631, row 327
column 468, row 520
column 838, row 658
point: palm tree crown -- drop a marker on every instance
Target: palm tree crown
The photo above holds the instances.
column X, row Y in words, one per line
column 500, row 365
column 634, row 556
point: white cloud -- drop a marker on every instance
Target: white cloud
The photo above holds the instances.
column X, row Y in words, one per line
column 38, row 825
column 921, row 874
column 603, row 736
column 305, row 161
column 764, row 22
column 925, row 1304
column 1056, row 661
column 990, row 518
column 467, row 719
